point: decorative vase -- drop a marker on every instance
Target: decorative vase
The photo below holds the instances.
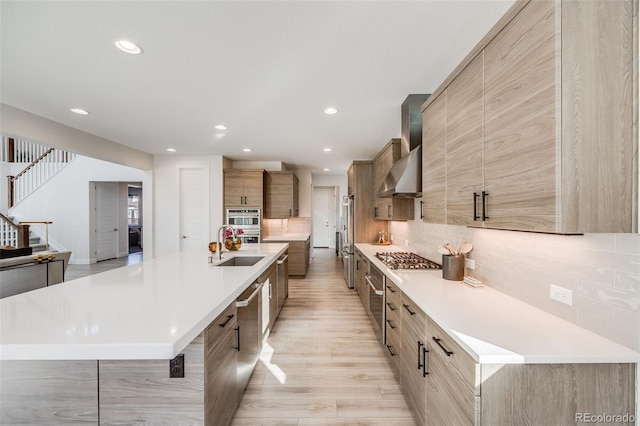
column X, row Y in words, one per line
column 232, row 244
column 453, row 267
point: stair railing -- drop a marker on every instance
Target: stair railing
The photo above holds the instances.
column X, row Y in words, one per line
column 47, row 164
column 14, row 235
column 46, row 230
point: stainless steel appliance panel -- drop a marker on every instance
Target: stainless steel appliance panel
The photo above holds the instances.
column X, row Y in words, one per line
column 249, row 220
column 249, row 306
column 376, row 281
column 348, row 242
column 283, row 280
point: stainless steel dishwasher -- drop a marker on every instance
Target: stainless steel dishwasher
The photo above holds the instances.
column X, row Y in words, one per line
column 283, row 280
column 249, row 306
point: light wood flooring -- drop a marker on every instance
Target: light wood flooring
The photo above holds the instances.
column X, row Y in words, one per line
column 322, row 364
column 79, row 271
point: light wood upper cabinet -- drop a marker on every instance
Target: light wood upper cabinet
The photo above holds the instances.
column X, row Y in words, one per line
column 244, row 188
column 520, row 160
column 538, row 122
column 389, row 208
column 434, row 138
column 361, row 176
column 281, row 191
column 465, row 145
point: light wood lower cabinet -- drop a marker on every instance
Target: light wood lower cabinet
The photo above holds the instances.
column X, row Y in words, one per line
column 444, row 385
column 361, row 268
column 299, row 254
column 393, row 327
column 142, row 391
column 412, row 357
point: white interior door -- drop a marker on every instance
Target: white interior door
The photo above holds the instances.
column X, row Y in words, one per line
column 106, row 220
column 194, row 208
column 322, row 200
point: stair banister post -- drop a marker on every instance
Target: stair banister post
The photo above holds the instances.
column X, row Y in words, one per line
column 23, row 235
column 10, row 196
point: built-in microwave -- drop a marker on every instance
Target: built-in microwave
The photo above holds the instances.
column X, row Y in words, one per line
column 249, row 221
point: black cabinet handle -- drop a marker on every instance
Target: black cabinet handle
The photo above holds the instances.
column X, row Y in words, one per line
column 449, row 353
column 391, row 308
column 475, row 206
column 289, row 212
column 389, row 211
column 425, row 351
column 237, row 329
column 485, row 195
column 408, row 310
column 391, row 289
column 375, row 212
column 357, row 265
column 390, row 351
column 421, row 209
column 391, row 325
column 420, row 364
column 227, row 321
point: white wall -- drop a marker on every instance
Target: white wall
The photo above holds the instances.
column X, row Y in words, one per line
column 602, row 270
column 20, row 124
column 304, row 191
column 65, row 200
column 166, row 205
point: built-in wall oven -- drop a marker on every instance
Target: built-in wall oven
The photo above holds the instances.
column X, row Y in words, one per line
column 376, row 281
column 249, row 221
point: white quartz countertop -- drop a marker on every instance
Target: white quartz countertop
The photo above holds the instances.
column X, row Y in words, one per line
column 288, row 237
column 150, row 310
column 496, row 328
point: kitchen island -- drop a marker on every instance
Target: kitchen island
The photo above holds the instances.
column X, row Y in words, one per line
column 57, row 343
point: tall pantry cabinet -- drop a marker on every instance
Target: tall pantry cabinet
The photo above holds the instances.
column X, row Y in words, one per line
column 538, row 123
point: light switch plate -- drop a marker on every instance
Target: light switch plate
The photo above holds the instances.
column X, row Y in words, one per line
column 470, row 264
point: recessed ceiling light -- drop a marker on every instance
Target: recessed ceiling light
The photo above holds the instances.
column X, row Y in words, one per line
column 246, row 149
column 171, row 149
column 128, row 47
column 79, row 111
column 330, row 111
column 221, row 127
column 325, row 170
column 327, row 150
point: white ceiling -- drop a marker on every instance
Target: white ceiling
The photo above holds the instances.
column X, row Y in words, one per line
column 266, row 69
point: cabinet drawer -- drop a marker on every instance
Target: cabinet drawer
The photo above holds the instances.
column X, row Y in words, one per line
column 393, row 294
column 393, row 341
column 226, row 322
column 412, row 317
column 453, row 357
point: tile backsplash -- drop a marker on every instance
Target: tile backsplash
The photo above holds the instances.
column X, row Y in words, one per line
column 279, row 227
column 602, row 271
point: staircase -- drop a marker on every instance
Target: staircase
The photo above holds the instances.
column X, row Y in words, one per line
column 9, row 235
column 44, row 163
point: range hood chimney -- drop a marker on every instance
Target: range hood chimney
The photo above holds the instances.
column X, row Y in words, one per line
column 405, row 177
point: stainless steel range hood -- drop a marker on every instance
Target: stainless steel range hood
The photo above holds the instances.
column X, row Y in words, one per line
column 405, row 177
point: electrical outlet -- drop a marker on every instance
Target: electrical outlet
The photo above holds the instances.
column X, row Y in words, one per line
column 470, row 264
column 406, row 242
column 176, row 367
column 391, row 238
column 561, row 294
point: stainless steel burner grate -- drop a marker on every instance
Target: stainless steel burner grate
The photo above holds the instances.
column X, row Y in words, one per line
column 406, row 260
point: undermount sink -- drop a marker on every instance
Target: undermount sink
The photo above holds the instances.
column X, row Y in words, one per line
column 241, row 261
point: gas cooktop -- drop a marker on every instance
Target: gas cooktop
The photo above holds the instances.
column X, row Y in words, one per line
column 406, row 260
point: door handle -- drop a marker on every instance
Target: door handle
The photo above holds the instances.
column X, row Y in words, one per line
column 115, row 229
column 184, row 236
column 485, row 195
column 475, row 206
column 378, row 292
column 244, row 303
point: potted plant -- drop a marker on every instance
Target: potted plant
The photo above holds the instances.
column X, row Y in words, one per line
column 232, row 241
